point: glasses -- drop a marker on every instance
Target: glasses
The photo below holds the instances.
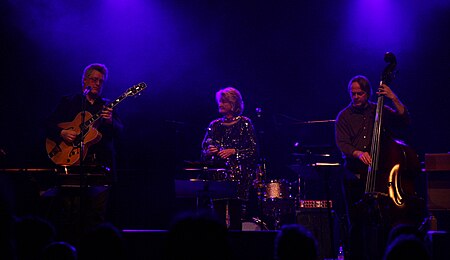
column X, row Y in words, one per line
column 94, row 79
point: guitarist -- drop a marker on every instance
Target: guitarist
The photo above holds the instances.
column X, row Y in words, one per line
column 353, row 133
column 69, row 107
column 109, row 126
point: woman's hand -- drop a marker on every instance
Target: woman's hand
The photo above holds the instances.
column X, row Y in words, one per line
column 211, row 150
column 225, row 153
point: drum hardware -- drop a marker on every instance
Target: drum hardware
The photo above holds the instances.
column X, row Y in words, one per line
column 258, row 182
column 276, row 211
column 276, row 214
column 256, row 224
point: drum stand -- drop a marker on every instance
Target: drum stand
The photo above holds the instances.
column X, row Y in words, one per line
column 203, row 200
column 277, row 218
column 258, row 219
column 259, row 187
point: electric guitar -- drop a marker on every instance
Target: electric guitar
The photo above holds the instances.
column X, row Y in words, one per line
column 67, row 154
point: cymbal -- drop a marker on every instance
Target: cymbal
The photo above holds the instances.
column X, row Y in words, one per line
column 192, row 169
column 312, row 154
column 194, row 162
column 205, row 169
column 315, row 122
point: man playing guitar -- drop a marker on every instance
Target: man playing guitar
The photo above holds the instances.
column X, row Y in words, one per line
column 65, row 139
column 68, row 139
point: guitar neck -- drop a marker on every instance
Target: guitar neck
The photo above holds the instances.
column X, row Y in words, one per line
column 97, row 116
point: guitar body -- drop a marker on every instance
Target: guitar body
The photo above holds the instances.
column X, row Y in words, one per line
column 67, row 154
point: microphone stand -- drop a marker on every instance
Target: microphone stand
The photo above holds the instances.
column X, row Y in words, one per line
column 83, row 183
column 261, row 174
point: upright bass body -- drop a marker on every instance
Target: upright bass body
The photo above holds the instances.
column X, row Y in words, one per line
column 392, row 176
column 396, row 183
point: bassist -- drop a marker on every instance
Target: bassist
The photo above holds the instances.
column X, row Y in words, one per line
column 354, row 129
column 354, row 124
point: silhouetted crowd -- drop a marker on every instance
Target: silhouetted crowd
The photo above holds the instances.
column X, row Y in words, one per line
column 192, row 235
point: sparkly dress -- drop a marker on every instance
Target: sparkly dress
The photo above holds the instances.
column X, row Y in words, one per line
column 240, row 135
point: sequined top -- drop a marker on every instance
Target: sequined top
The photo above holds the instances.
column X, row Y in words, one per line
column 240, row 136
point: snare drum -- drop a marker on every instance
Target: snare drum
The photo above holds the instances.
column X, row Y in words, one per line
column 277, row 189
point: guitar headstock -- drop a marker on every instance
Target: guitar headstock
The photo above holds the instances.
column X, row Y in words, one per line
column 136, row 89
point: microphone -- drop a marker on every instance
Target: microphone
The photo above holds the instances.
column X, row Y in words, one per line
column 87, row 90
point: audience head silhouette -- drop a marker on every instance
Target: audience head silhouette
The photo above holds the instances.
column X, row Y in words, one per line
column 6, row 224
column 33, row 234
column 59, row 250
column 407, row 246
column 403, row 229
column 197, row 235
column 294, row 241
column 105, row 241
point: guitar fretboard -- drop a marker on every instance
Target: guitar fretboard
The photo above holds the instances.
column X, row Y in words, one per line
column 97, row 116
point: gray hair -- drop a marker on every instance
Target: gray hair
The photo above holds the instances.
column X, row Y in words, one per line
column 233, row 96
column 94, row 66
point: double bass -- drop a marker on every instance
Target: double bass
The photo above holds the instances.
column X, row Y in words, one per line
column 391, row 191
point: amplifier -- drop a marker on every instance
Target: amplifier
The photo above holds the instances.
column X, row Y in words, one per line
column 437, row 167
column 437, row 162
column 323, row 224
column 315, row 204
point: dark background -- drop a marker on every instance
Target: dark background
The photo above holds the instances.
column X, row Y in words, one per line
column 292, row 59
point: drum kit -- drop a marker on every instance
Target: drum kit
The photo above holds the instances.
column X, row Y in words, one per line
column 276, row 198
column 276, row 201
column 276, row 206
